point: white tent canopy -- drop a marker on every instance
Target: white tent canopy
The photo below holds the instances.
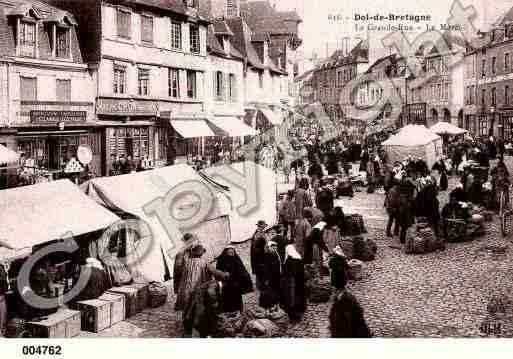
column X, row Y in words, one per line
column 131, row 193
column 446, row 128
column 415, row 141
column 49, row 211
column 244, row 225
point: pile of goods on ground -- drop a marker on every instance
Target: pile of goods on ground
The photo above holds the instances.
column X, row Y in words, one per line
column 253, row 323
column 421, row 239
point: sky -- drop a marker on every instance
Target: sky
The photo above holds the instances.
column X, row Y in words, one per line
column 322, row 35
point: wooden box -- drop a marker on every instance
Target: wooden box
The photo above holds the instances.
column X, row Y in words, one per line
column 95, row 315
column 143, row 295
column 117, row 307
column 130, row 299
column 63, row 324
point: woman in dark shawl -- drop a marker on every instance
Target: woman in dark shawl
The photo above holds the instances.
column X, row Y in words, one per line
column 237, row 283
column 293, row 284
column 270, row 294
column 346, row 318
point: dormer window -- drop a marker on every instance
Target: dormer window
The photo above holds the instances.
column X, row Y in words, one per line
column 27, row 33
column 62, row 42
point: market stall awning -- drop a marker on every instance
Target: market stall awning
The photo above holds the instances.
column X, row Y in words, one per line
column 273, row 117
column 232, row 126
column 446, row 128
column 7, row 156
column 49, row 211
column 192, row 128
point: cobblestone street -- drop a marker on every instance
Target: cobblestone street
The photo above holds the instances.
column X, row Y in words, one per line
column 442, row 294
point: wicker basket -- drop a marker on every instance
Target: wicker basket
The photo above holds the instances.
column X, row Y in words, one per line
column 355, row 269
column 507, row 223
column 419, row 245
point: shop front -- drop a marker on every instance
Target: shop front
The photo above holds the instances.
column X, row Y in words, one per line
column 134, row 137
column 507, row 124
column 49, row 144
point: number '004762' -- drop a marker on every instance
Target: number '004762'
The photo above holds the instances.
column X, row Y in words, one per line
column 33, row 350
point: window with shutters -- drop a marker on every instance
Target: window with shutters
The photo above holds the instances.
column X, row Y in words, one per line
column 174, row 83
column 233, row 88
column 494, row 96
column 483, row 68
column 506, row 95
column 28, row 89
column 124, row 23
column 62, row 39
column 143, row 82
column 195, row 39
column 119, row 79
column 146, row 29
column 506, row 62
column 494, row 65
column 192, row 91
column 219, row 86
column 483, row 97
column 27, row 39
column 176, row 35
column 63, row 90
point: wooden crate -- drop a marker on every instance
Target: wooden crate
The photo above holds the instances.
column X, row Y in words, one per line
column 143, row 295
column 117, row 307
column 95, row 315
column 63, row 324
column 130, row 299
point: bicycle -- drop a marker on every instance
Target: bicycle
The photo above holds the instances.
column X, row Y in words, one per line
column 505, row 212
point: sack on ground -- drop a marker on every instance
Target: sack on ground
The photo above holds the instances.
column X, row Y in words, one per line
column 364, row 249
column 158, row 294
column 261, row 328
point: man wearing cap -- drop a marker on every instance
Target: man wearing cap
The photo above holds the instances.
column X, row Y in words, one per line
column 258, row 244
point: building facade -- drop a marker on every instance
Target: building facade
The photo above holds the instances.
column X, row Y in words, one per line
column 149, row 64
column 47, row 91
column 443, row 90
column 489, row 82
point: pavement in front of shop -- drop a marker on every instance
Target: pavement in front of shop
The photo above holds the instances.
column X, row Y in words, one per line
column 442, row 294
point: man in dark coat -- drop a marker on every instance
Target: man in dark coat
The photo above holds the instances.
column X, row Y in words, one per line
column 258, row 244
column 406, row 208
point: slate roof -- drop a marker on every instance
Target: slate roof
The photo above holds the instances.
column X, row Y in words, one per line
column 215, row 47
column 222, row 28
column 242, row 41
column 262, row 17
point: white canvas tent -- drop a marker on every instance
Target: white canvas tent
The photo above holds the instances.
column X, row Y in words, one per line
column 45, row 212
column 415, row 141
column 244, row 225
column 130, row 194
column 446, row 128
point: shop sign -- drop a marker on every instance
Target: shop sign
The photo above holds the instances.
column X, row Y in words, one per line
column 126, row 107
column 38, row 116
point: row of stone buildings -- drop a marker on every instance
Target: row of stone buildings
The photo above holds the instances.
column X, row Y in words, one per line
column 151, row 79
column 466, row 82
